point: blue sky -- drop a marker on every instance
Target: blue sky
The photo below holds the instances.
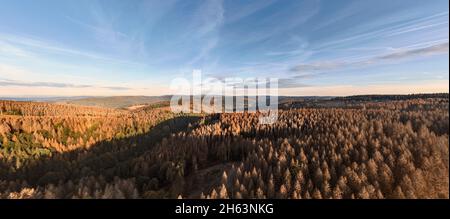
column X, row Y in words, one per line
column 88, row 47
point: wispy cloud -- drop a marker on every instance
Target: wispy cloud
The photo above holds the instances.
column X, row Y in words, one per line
column 7, row 49
column 31, row 58
column 40, row 84
column 246, row 10
column 209, row 45
column 6, row 83
column 206, row 25
column 103, row 31
column 23, row 46
column 277, row 23
column 396, row 55
column 319, row 66
column 291, row 83
column 426, row 51
column 17, row 42
column 209, row 17
column 116, row 88
column 397, row 26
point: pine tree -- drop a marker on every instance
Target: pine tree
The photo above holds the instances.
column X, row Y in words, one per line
column 337, row 193
column 223, row 194
column 224, row 178
column 260, row 194
column 213, row 194
column 283, row 193
column 398, row 193
column 316, row 194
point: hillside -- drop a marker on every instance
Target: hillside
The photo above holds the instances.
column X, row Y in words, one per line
column 116, row 102
column 389, row 149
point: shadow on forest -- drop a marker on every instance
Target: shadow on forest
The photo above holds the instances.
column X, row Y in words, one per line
column 108, row 158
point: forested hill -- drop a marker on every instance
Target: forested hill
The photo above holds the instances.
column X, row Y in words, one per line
column 389, row 149
column 118, row 101
column 392, row 97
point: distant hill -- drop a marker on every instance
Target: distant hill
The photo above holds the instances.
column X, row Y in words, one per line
column 117, row 101
column 392, row 97
column 50, row 99
column 131, row 102
column 138, row 102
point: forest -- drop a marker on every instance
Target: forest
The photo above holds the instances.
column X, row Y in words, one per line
column 365, row 147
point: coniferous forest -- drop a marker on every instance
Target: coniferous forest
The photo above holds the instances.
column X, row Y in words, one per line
column 365, row 147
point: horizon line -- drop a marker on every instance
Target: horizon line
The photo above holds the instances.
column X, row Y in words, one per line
column 106, row 96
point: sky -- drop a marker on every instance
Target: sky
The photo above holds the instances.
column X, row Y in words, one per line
column 314, row 47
